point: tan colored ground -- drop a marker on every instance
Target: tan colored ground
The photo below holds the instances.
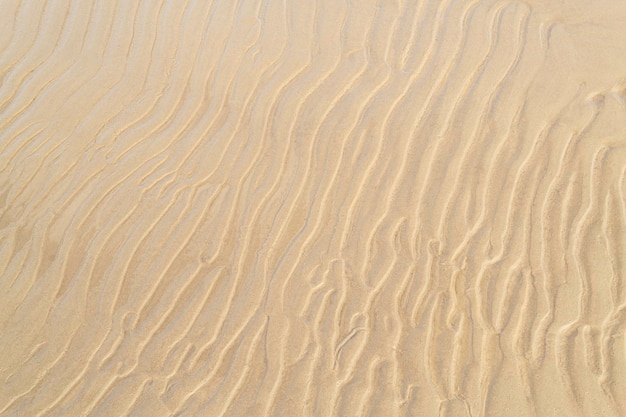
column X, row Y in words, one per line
column 312, row 208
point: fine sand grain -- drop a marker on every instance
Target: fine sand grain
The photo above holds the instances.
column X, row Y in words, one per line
column 317, row 208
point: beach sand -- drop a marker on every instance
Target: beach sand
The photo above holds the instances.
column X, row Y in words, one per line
column 312, row 208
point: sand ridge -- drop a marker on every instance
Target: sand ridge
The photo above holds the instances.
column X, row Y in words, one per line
column 322, row 208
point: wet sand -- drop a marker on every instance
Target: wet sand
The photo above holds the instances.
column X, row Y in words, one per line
column 312, row 208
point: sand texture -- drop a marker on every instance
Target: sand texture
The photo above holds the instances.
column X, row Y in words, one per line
column 285, row 208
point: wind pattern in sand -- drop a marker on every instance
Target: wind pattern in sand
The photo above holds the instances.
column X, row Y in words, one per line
column 312, row 208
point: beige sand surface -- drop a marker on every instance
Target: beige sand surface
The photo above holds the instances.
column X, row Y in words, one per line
column 312, row 208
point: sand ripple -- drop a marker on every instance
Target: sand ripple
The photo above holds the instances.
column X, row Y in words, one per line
column 312, row 208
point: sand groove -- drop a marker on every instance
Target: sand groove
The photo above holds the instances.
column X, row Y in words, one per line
column 323, row 208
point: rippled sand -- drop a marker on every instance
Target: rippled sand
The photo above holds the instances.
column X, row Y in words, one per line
column 312, row 208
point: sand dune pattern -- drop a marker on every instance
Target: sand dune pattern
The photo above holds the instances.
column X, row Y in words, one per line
column 312, row 208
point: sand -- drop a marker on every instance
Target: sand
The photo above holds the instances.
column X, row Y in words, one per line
column 312, row 208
